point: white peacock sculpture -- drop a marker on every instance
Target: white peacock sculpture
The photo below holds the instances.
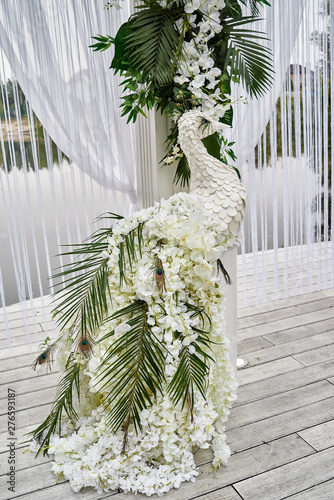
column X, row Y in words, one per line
column 142, row 345
column 217, row 184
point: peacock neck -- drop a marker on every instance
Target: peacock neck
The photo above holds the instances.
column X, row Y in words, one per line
column 197, row 155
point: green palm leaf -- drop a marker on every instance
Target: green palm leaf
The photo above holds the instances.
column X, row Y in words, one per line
column 193, row 369
column 182, row 172
column 254, row 5
column 248, row 60
column 85, row 292
column 134, row 368
column 153, row 42
column 86, row 287
column 63, row 403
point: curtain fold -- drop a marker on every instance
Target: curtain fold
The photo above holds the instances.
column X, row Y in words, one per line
column 281, row 22
column 68, row 85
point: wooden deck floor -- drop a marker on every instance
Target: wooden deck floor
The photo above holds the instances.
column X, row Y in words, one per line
column 281, row 429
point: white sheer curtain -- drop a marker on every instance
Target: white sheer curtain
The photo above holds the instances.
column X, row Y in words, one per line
column 281, row 23
column 68, row 85
column 286, row 138
column 46, row 201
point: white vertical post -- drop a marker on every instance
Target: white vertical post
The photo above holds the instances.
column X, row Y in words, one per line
column 166, row 188
column 229, row 260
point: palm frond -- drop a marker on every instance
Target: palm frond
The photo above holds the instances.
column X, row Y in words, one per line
column 153, row 41
column 192, row 372
column 194, row 366
column 63, row 404
column 127, row 250
column 254, row 5
column 133, row 367
column 182, row 173
column 248, row 60
column 86, row 287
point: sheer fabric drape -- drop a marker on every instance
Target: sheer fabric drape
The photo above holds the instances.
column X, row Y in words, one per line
column 69, row 87
column 286, row 138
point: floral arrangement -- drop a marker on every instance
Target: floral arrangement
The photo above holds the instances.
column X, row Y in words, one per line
column 142, row 346
column 180, row 55
column 153, row 379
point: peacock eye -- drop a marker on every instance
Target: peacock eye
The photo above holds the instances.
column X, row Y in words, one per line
column 205, row 122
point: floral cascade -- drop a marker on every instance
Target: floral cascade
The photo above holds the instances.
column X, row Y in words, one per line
column 179, row 55
column 163, row 340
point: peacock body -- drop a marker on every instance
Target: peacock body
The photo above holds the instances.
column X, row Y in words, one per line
column 142, row 347
column 216, row 182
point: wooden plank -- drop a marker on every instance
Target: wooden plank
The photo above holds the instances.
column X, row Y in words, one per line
column 284, row 382
column 26, row 420
column 64, row 491
column 271, row 369
column 12, row 362
column 289, row 479
column 268, row 328
column 22, row 438
column 246, row 464
column 279, row 304
column 26, row 373
column 316, row 355
column 323, row 491
column 315, row 305
column 281, row 403
column 321, row 436
column 250, row 345
column 291, row 348
column 21, row 340
column 30, row 385
column 20, row 350
column 281, row 425
column 33, row 400
column 222, row 494
column 300, row 332
column 16, row 334
column 23, row 460
column 266, row 317
column 17, row 325
column 29, row 479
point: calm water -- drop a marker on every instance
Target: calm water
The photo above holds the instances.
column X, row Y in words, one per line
column 67, row 216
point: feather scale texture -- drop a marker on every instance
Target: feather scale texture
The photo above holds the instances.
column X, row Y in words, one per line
column 217, row 183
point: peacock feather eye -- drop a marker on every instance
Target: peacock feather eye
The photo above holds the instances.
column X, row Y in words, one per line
column 45, row 358
column 85, row 345
column 159, row 275
column 205, row 122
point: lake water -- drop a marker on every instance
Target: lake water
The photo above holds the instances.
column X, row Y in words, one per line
column 65, row 206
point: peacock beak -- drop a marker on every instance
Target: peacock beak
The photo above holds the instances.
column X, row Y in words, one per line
column 219, row 126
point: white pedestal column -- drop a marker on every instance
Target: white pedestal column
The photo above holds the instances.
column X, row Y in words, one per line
column 229, row 260
column 157, row 183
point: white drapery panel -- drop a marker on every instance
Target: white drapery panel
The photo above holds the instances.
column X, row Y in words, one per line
column 47, row 201
column 281, row 24
column 289, row 224
column 68, row 86
column 287, row 248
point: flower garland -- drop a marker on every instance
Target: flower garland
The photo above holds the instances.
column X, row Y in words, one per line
column 198, row 66
column 187, row 55
column 188, row 241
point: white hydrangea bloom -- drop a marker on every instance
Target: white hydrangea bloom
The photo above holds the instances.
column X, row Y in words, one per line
column 160, row 457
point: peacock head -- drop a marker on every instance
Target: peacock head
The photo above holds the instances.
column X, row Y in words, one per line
column 198, row 124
